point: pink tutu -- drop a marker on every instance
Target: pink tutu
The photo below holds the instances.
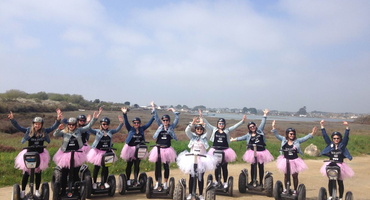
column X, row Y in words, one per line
column 85, row 148
column 95, row 156
column 44, row 161
column 128, row 153
column 230, row 155
column 186, row 163
column 262, row 156
column 345, row 170
column 63, row 159
column 168, row 155
column 296, row 165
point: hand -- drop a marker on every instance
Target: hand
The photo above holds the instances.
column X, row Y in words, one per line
column 314, row 130
column 273, row 124
column 200, row 113
column 61, row 126
column 10, row 115
column 232, row 139
column 172, row 109
column 345, row 123
column 124, row 110
column 152, row 104
column 59, row 114
column 244, row 118
column 88, row 118
column 120, row 118
column 265, row 111
column 322, row 123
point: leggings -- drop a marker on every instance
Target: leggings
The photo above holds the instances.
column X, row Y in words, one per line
column 65, row 172
column 225, row 172
column 295, row 180
column 25, row 180
column 200, row 183
column 261, row 168
column 104, row 173
column 166, row 167
column 341, row 187
column 136, row 164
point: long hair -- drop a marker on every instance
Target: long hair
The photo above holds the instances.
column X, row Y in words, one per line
column 39, row 133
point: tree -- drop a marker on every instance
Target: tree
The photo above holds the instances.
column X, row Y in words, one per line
column 178, row 107
column 127, row 103
column 302, row 111
column 96, row 101
column 13, row 94
column 252, row 110
column 245, row 110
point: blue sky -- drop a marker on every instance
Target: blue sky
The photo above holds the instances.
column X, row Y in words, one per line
column 280, row 55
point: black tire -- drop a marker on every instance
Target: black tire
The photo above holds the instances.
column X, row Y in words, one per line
column 349, row 196
column 56, row 190
column 171, row 187
column 149, row 188
column 301, row 192
column 83, row 192
column 112, row 184
column 323, row 195
column 209, row 178
column 122, row 184
column 88, row 182
column 45, row 191
column 230, row 189
column 16, row 192
column 210, row 194
column 178, row 193
column 242, row 183
column 278, row 189
column 143, row 178
column 57, row 176
column 269, row 186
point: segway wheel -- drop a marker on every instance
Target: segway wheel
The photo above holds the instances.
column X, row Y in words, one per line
column 242, row 183
column 45, row 191
column 230, row 188
column 211, row 194
column 112, row 184
column 142, row 180
column 16, row 192
column 301, row 192
column 88, row 188
column 56, row 190
column 269, row 186
column 149, row 188
column 122, row 184
column 57, row 176
column 171, row 187
column 323, row 195
column 83, row 193
column 178, row 193
column 349, row 196
column 209, row 178
column 278, row 189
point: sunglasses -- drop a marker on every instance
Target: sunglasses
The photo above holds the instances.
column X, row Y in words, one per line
column 165, row 120
column 136, row 122
column 252, row 127
column 104, row 124
column 221, row 123
column 82, row 120
column 336, row 138
column 291, row 133
column 71, row 124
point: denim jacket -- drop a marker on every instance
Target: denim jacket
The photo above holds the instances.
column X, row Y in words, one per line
column 99, row 134
column 132, row 131
column 171, row 127
column 296, row 142
column 342, row 145
column 194, row 137
column 76, row 133
column 226, row 130
column 27, row 131
column 259, row 131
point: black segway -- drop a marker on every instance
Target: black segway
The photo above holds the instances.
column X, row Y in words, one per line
column 107, row 161
column 253, row 186
column 140, row 152
column 219, row 188
column 160, row 192
column 76, row 189
column 180, row 190
column 333, row 173
column 278, row 189
column 32, row 161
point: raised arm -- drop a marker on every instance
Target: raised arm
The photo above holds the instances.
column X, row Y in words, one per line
column 235, row 126
column 127, row 123
column 324, row 134
column 346, row 134
column 263, row 121
column 15, row 123
column 279, row 137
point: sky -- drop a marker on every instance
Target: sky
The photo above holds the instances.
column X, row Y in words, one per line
column 281, row 55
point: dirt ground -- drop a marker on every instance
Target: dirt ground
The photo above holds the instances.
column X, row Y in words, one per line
column 313, row 180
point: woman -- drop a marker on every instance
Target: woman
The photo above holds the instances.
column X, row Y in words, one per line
column 256, row 136
column 164, row 134
column 337, row 151
column 101, row 145
column 35, row 135
column 198, row 144
column 135, row 137
column 72, row 141
column 221, row 138
column 290, row 145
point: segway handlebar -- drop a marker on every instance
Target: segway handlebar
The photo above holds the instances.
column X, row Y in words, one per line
column 219, row 147
column 35, row 147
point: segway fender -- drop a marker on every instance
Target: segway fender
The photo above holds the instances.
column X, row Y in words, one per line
column 245, row 171
column 268, row 174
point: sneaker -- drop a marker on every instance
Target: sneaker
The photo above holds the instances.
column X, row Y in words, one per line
column 201, row 197
column 95, row 186
column 340, row 198
column 156, row 186
column 285, row 191
column 106, row 185
column 37, row 193
column 165, row 186
column 189, row 197
column 128, row 182
column 226, row 185
column 23, row 193
column 294, row 193
column 330, row 198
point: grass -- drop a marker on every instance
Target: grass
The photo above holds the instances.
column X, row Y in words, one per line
column 10, row 144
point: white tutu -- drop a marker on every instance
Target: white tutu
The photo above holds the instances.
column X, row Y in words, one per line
column 186, row 163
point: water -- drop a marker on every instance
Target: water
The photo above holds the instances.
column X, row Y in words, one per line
column 277, row 118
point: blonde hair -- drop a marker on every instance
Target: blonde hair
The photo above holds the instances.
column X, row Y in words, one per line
column 39, row 133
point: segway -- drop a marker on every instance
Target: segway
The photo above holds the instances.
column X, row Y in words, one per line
column 253, row 186
column 160, row 192
column 180, row 190
column 278, row 189
column 107, row 161
column 333, row 173
column 219, row 154
column 32, row 161
column 140, row 153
